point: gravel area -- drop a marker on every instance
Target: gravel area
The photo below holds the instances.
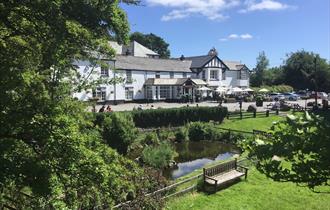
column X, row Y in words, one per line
column 231, row 106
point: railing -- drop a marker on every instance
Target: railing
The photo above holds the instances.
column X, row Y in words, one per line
column 164, row 190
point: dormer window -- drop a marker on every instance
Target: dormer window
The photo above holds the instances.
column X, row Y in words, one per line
column 171, row 75
column 157, row 74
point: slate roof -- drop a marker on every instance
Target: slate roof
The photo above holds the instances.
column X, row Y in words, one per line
column 176, row 81
column 234, row 65
column 151, row 64
column 199, row 61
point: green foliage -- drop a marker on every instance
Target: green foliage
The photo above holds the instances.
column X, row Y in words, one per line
column 261, row 67
column 158, row 156
column 181, row 135
column 48, row 146
column 302, row 147
column 276, row 88
column 118, row 131
column 309, row 70
column 273, row 76
column 152, row 42
column 177, row 116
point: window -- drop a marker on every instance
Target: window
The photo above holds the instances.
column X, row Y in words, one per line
column 184, row 75
column 100, row 93
column 129, row 92
column 214, row 75
column 223, row 75
column 203, row 75
column 242, row 75
column 104, row 71
column 149, row 92
column 164, row 92
column 171, row 75
column 129, row 77
column 157, row 74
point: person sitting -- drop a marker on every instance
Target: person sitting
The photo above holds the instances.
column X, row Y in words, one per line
column 109, row 108
column 102, row 109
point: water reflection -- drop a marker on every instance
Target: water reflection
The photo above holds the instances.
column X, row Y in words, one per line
column 195, row 155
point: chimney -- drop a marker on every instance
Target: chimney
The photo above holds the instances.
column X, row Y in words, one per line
column 182, row 58
column 213, row 51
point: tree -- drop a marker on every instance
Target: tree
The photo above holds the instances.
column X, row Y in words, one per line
column 49, row 149
column 119, row 131
column 298, row 151
column 262, row 64
column 304, row 70
column 152, row 42
column 273, row 76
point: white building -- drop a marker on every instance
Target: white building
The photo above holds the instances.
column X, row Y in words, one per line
column 149, row 77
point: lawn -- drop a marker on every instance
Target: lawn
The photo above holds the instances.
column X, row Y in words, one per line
column 257, row 192
column 261, row 123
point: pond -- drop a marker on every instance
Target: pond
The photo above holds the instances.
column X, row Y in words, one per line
column 195, row 155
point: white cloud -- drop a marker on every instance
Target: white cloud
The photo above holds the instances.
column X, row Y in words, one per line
column 246, row 36
column 233, row 36
column 212, row 9
column 252, row 5
column 236, row 36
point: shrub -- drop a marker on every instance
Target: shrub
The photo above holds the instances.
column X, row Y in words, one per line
column 197, row 131
column 177, row 116
column 252, row 108
column 158, row 156
column 118, row 131
column 181, row 135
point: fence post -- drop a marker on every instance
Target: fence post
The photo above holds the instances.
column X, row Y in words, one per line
column 255, row 113
column 267, row 113
column 229, row 134
column 241, row 115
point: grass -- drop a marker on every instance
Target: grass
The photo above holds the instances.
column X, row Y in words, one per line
column 261, row 123
column 257, row 192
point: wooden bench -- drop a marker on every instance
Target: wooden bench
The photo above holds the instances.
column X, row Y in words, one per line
column 223, row 173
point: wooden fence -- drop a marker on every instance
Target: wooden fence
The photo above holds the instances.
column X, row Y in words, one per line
column 163, row 192
column 255, row 114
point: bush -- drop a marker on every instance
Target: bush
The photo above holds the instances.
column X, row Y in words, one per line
column 118, row 131
column 158, row 156
column 252, row 108
column 177, row 116
column 181, row 135
column 204, row 131
column 276, row 88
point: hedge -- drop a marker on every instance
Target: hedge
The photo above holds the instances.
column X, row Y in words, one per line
column 177, row 116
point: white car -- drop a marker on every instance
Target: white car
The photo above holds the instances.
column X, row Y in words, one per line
column 291, row 96
column 276, row 96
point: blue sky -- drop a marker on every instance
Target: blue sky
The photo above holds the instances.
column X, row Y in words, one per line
column 238, row 29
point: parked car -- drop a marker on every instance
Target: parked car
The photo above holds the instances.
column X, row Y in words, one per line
column 276, row 96
column 321, row 95
column 303, row 94
column 291, row 96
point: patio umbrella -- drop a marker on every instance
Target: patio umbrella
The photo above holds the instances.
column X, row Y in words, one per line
column 221, row 89
column 263, row 90
column 237, row 89
column 203, row 88
column 248, row 90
